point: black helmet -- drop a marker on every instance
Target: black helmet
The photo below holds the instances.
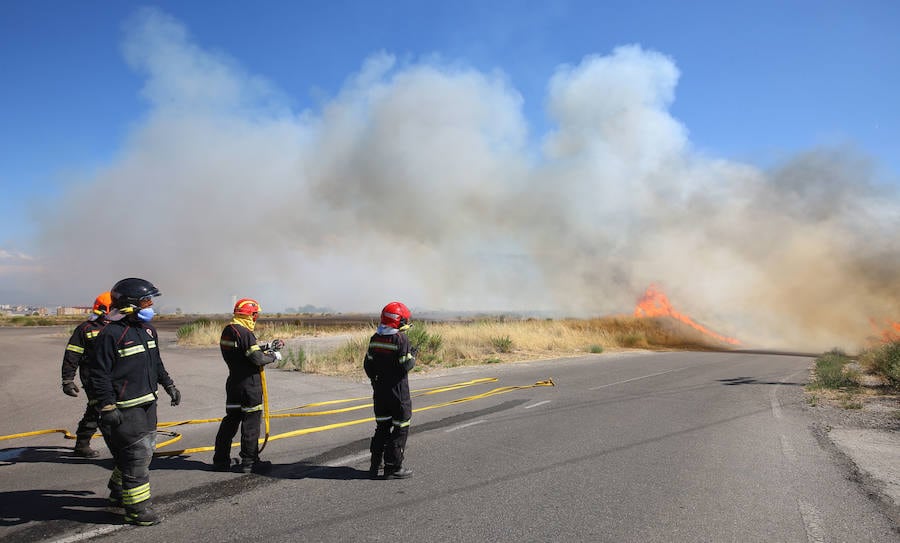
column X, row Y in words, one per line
column 130, row 292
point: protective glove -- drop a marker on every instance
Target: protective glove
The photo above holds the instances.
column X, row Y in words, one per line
column 70, row 388
column 174, row 394
column 278, row 356
column 111, row 417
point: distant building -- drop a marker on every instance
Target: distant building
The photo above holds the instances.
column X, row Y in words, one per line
column 23, row 310
column 74, row 310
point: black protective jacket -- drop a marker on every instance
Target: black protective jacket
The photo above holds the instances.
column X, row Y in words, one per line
column 127, row 366
column 79, row 349
column 244, row 357
column 388, row 361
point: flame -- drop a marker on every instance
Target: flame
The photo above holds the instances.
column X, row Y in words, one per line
column 655, row 303
column 890, row 333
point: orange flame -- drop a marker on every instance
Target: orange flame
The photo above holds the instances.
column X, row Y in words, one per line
column 890, row 334
column 654, row 303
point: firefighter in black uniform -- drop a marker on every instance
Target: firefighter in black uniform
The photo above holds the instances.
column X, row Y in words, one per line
column 388, row 360
column 78, row 350
column 124, row 376
column 243, row 388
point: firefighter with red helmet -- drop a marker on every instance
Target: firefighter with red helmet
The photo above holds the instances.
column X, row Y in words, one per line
column 245, row 358
column 389, row 359
column 79, row 349
column 124, row 374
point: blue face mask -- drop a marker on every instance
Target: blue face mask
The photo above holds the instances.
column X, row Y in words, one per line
column 146, row 314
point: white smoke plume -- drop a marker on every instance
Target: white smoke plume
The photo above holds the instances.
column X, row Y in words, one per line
column 417, row 182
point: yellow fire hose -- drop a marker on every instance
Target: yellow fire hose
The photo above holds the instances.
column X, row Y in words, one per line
column 267, row 414
column 262, row 378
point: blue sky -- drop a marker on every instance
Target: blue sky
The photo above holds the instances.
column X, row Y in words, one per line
column 752, row 84
column 759, row 80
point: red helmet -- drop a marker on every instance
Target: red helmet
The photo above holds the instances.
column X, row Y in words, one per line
column 247, row 306
column 395, row 315
column 103, row 303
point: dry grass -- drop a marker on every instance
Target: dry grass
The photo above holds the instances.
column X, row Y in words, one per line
column 206, row 333
column 450, row 344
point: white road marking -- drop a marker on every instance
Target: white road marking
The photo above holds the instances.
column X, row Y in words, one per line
column 776, row 405
column 787, row 449
column 461, row 426
column 90, row 534
column 812, row 522
column 637, row 378
column 536, row 404
column 348, row 460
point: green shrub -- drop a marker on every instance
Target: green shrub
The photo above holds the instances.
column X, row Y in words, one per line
column 830, row 371
column 502, row 344
column 31, row 320
column 884, row 360
column 428, row 345
column 188, row 330
column 633, row 340
column 293, row 359
column 596, row 349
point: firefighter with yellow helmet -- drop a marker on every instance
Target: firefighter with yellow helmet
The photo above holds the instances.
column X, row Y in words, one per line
column 78, row 350
column 245, row 358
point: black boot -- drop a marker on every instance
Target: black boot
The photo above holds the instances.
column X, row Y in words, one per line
column 374, row 466
column 397, row 472
column 83, row 449
column 115, row 498
column 255, row 466
column 141, row 514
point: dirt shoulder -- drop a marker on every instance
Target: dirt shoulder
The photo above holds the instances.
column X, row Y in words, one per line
column 863, row 428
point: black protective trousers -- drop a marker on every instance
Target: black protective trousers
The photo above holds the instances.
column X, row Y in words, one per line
column 132, row 444
column 243, row 407
column 392, row 416
column 250, row 423
column 88, row 424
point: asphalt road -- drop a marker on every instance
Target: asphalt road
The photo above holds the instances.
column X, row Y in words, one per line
column 626, row 447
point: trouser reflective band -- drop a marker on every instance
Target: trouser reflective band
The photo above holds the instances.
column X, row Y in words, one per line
column 146, row 398
column 138, row 494
column 382, row 419
column 235, row 407
column 400, row 423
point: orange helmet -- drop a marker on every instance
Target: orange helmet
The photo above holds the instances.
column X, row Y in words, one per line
column 103, row 303
column 247, row 306
column 396, row 315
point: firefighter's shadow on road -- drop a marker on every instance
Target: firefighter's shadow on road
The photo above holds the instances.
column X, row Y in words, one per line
column 733, row 381
column 304, row 470
column 50, row 455
column 22, row 506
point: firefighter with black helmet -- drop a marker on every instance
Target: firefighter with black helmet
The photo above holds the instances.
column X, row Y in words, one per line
column 124, row 375
column 78, row 350
column 246, row 359
column 389, row 359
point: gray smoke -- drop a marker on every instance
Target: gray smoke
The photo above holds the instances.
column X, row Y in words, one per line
column 417, row 182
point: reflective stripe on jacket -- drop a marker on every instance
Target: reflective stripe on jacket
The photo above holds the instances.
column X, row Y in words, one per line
column 127, row 367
